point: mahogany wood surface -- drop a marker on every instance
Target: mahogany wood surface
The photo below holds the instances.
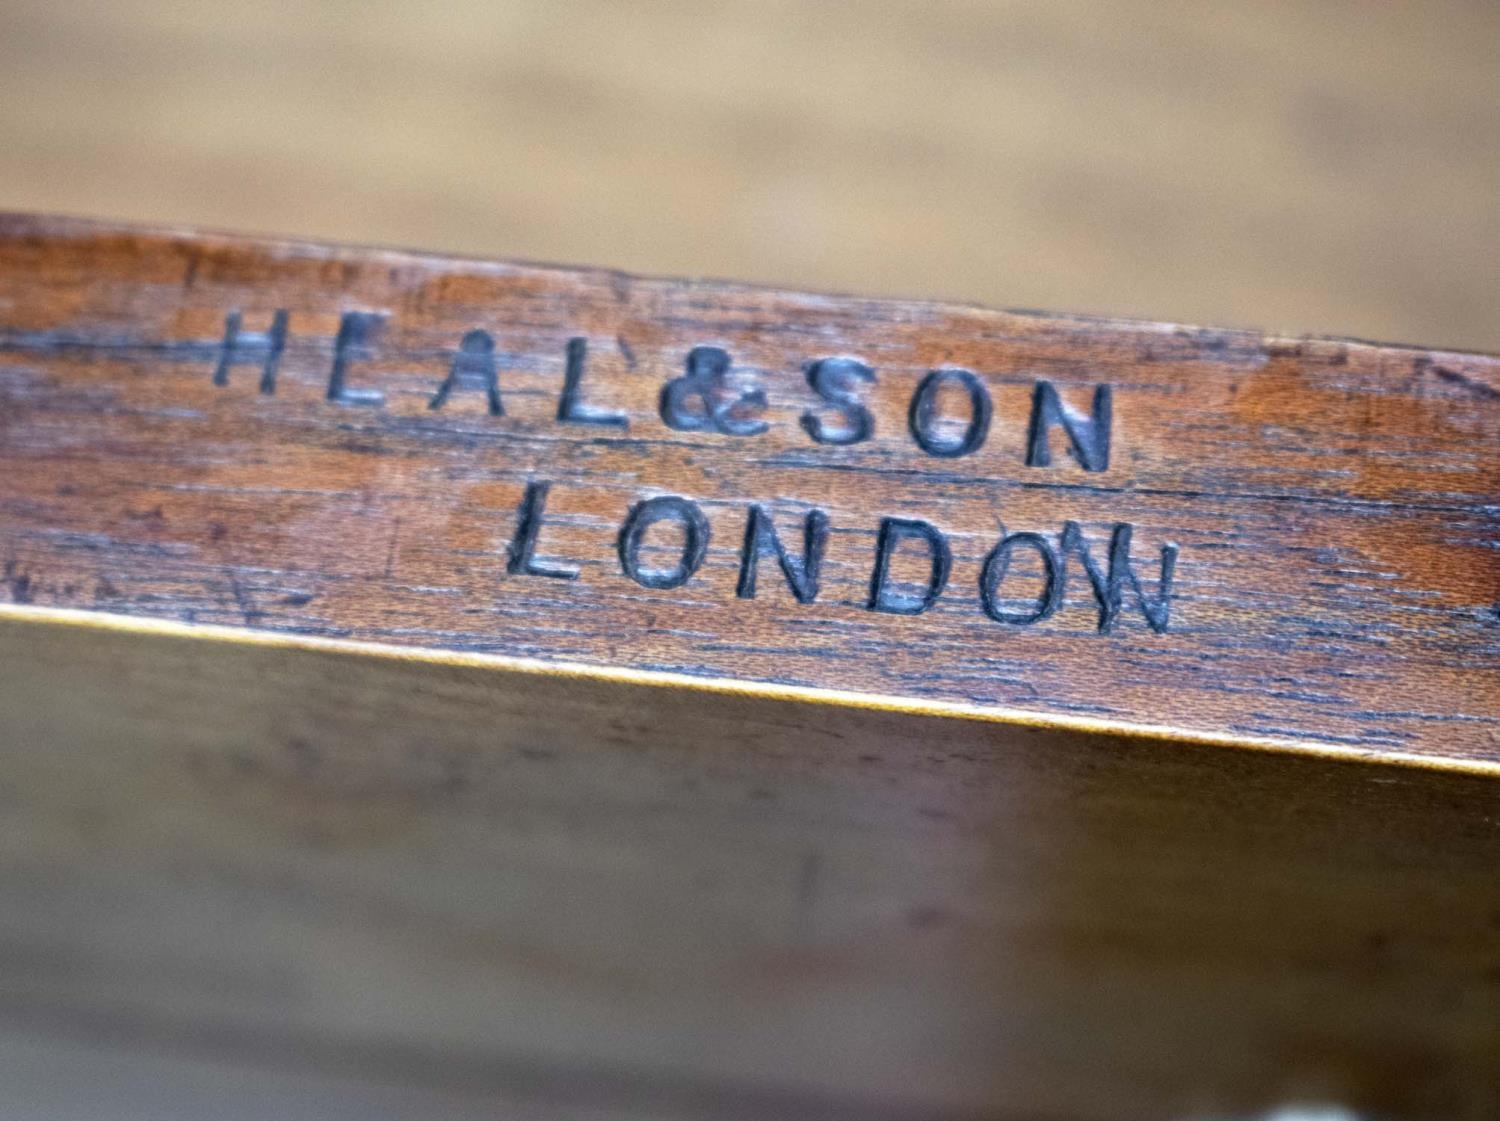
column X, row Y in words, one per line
column 390, row 721
column 304, row 882
column 1171, row 530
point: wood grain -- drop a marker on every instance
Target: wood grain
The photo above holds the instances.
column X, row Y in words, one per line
column 1326, row 510
column 248, row 874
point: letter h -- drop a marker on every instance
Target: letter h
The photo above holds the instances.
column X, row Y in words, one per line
column 245, row 346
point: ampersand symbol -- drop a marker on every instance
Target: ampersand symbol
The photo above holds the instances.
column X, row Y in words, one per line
column 721, row 405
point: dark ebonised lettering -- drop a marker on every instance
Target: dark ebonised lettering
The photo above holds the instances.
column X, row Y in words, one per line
column 722, row 406
column 570, row 406
column 1109, row 585
column 835, row 380
column 642, row 517
column 1088, row 437
column 997, row 564
column 761, row 540
column 893, row 532
column 357, row 330
column 245, row 346
column 528, row 526
column 926, row 423
column 473, row 365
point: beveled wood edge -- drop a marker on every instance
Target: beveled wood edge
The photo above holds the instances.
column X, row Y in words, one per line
column 725, row 686
column 48, row 224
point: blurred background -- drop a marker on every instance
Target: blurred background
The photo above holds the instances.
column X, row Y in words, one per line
column 1326, row 165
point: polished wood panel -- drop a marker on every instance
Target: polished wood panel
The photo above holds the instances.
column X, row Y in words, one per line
column 236, row 867
column 1171, row 530
column 363, row 753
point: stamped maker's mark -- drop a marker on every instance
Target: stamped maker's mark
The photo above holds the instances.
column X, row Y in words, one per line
column 663, row 539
